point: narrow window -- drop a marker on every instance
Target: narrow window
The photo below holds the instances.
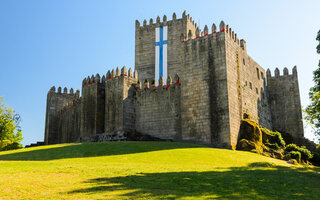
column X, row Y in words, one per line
column 250, row 85
column 244, row 62
column 262, row 76
column 258, row 73
column 257, row 91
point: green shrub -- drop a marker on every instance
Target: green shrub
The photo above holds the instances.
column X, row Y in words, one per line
column 291, row 147
column 315, row 160
column 305, row 153
column 272, row 145
column 274, row 138
column 12, row 146
column 295, row 155
column 6, row 145
column 277, row 139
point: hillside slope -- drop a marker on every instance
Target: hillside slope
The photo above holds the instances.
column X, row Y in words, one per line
column 150, row 170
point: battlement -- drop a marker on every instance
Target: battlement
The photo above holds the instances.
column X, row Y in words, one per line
column 65, row 91
column 205, row 32
column 233, row 35
column 165, row 21
column 161, row 84
column 114, row 74
column 223, row 28
column 93, row 80
column 285, row 73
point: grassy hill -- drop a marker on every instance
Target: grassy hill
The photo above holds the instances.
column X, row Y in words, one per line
column 150, row 170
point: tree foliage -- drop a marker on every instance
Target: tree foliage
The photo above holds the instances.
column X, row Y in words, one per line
column 313, row 110
column 10, row 131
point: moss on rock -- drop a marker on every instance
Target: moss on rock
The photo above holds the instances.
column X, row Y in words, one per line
column 253, row 137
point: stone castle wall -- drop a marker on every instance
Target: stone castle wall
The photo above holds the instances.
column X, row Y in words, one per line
column 284, row 101
column 158, row 110
column 69, row 123
column 203, row 88
column 178, row 30
column 92, row 107
column 120, row 104
column 246, row 86
column 56, row 101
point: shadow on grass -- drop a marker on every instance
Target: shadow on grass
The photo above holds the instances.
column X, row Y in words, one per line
column 93, row 150
column 256, row 181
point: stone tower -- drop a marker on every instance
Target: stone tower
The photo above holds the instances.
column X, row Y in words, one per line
column 120, row 104
column 178, row 30
column 92, row 106
column 284, row 101
column 56, row 101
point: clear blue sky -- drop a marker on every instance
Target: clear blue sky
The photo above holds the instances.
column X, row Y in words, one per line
column 58, row 43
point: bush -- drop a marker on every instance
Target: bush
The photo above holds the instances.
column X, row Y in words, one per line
column 305, row 153
column 295, row 155
column 291, row 147
column 272, row 145
column 315, row 160
column 12, row 146
column 277, row 139
column 274, row 138
column 6, row 145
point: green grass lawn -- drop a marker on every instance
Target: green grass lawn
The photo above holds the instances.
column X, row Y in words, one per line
column 150, row 170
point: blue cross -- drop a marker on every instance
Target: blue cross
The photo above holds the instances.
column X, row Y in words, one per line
column 160, row 44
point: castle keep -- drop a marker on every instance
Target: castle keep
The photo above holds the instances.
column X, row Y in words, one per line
column 188, row 85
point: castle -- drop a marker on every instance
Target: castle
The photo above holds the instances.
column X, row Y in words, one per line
column 188, row 85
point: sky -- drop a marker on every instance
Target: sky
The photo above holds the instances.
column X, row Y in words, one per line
column 58, row 43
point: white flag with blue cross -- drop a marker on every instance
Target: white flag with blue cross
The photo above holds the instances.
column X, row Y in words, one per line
column 161, row 53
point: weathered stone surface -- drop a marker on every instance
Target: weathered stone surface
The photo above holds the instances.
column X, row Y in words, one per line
column 284, row 102
column 92, row 107
column 56, row 102
column 158, row 111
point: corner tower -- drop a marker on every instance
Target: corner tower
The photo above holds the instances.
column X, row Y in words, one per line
column 284, row 101
column 56, row 101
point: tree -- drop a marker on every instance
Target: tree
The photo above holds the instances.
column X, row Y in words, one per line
column 10, row 131
column 313, row 110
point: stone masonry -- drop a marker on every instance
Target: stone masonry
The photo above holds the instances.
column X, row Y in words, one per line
column 215, row 84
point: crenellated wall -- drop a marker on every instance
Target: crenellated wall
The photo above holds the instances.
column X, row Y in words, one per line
column 284, row 101
column 178, row 30
column 158, row 109
column 246, row 86
column 204, row 97
column 69, row 122
column 119, row 101
column 56, row 101
column 92, row 106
